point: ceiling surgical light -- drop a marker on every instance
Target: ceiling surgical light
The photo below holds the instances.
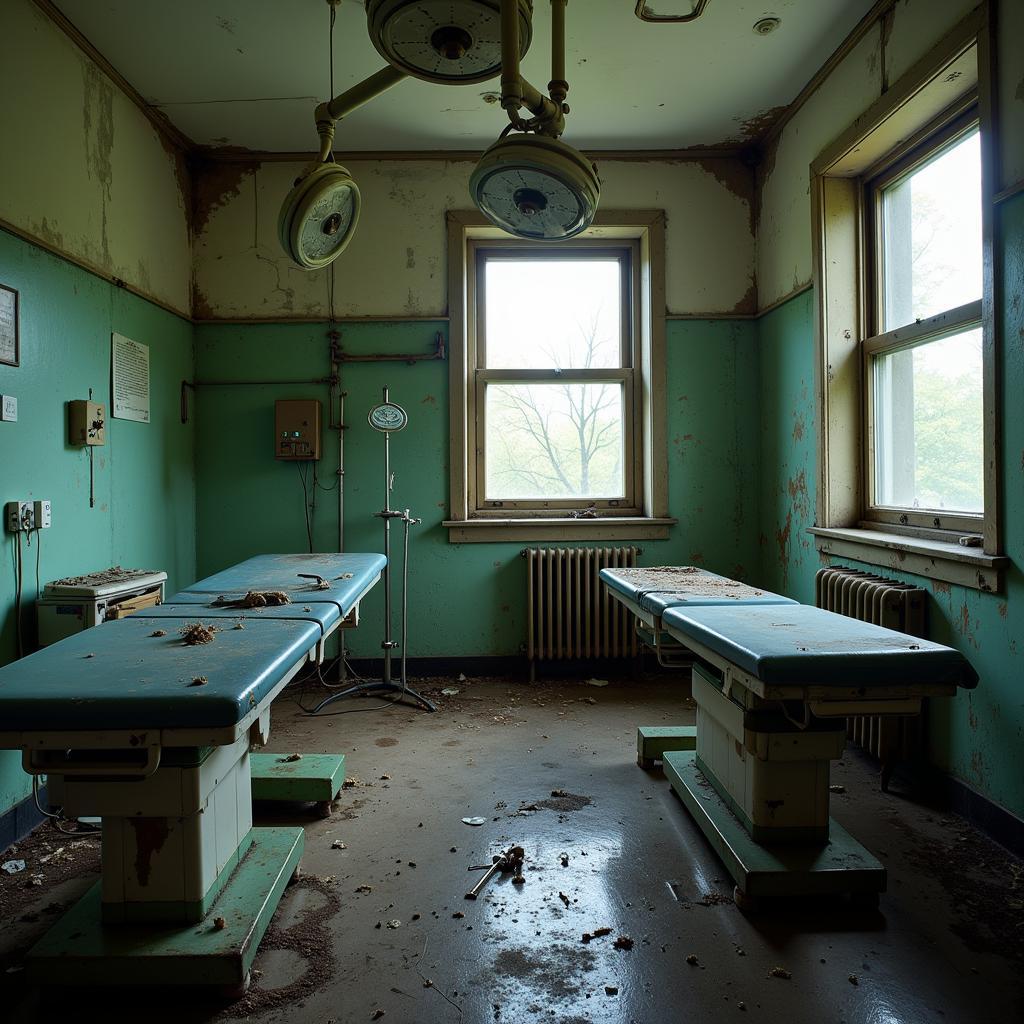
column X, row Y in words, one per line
column 452, row 42
column 534, row 185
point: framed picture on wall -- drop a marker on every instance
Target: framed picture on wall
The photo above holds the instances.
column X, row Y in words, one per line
column 9, row 348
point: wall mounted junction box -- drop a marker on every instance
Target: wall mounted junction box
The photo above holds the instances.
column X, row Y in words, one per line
column 86, row 423
column 297, row 429
column 19, row 516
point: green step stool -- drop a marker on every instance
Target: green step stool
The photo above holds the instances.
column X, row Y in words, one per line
column 312, row 778
column 654, row 741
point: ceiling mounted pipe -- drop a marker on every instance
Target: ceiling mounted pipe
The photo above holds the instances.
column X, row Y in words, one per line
column 450, row 42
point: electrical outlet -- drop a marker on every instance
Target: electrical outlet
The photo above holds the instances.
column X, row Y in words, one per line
column 20, row 516
column 42, row 512
column 8, row 408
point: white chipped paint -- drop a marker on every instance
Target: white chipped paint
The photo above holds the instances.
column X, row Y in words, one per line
column 82, row 168
column 396, row 264
column 784, row 229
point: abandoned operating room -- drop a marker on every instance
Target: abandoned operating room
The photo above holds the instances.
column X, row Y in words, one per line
column 513, row 510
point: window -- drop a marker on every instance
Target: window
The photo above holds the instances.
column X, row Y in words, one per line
column 554, row 379
column 557, row 383
column 923, row 365
column 905, row 279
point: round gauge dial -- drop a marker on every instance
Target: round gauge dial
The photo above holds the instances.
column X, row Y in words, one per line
column 388, row 417
column 319, row 216
column 537, row 188
column 448, row 41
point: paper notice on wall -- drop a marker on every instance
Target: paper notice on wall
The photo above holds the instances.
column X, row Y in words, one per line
column 130, row 362
column 8, row 326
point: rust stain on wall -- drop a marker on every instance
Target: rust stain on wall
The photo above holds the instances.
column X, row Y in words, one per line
column 798, row 427
column 739, row 177
column 782, row 539
column 747, row 304
column 939, row 587
column 214, row 184
column 150, row 836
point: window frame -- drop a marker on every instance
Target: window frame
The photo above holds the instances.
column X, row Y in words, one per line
column 950, row 81
column 933, row 141
column 626, row 254
column 648, row 518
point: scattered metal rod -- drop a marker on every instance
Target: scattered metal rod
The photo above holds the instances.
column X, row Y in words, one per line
column 510, row 860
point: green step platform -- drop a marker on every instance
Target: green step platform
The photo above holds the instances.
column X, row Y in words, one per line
column 840, row 866
column 79, row 950
column 654, row 741
column 313, row 778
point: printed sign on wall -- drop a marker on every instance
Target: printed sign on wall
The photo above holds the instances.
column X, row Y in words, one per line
column 9, row 353
column 130, row 368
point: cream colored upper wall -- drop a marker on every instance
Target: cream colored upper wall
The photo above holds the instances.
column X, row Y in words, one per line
column 395, row 264
column 784, row 226
column 82, row 169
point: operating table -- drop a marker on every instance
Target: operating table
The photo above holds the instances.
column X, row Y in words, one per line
column 131, row 723
column 773, row 684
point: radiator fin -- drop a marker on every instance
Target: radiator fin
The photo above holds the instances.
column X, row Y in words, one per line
column 569, row 613
column 900, row 606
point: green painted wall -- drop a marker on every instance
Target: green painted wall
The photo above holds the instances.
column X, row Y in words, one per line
column 978, row 736
column 469, row 599
column 145, row 481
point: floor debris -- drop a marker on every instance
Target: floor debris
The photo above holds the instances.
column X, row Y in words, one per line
column 780, row 972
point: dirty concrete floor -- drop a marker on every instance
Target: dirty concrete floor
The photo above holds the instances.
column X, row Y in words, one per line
column 380, row 911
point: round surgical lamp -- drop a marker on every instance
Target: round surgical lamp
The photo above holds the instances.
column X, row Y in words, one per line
column 536, row 187
column 319, row 216
column 452, row 42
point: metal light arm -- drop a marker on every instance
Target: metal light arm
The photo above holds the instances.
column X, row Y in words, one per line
column 327, row 115
column 516, row 92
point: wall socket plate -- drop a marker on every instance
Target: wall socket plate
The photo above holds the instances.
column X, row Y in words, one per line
column 20, row 515
column 8, row 408
column 43, row 514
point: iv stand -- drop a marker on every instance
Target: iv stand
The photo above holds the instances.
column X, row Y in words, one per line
column 386, row 684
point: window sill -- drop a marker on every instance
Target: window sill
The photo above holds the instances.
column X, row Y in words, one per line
column 933, row 559
column 489, row 531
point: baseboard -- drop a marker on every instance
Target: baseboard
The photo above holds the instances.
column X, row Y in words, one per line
column 993, row 819
column 19, row 820
column 510, row 665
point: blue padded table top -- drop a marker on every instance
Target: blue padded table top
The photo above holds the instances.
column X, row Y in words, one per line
column 686, row 584
column 802, row 645
column 280, row 572
column 119, row 676
column 659, row 603
column 326, row 614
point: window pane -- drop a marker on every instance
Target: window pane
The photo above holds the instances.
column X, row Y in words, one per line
column 542, row 314
column 932, row 237
column 554, row 441
column 928, row 425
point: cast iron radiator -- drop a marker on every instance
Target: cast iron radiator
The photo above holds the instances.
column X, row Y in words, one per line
column 885, row 602
column 569, row 612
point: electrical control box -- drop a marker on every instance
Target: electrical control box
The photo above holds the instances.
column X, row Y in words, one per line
column 297, row 429
column 86, row 423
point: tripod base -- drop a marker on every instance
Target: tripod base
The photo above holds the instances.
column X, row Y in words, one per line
column 372, row 688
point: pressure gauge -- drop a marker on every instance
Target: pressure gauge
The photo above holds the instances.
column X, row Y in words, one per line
column 452, row 42
column 319, row 216
column 536, row 187
column 388, row 417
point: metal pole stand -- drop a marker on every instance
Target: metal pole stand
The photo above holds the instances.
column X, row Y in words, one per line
column 388, row 418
